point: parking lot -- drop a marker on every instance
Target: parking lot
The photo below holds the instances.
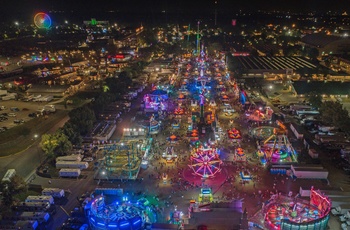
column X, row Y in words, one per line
column 17, row 110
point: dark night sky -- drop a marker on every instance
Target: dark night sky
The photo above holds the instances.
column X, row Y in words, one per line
column 138, row 5
column 13, row 8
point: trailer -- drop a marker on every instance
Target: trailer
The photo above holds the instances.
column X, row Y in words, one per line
column 309, row 172
column 41, row 217
column 72, row 164
column 26, row 224
column 73, row 157
column 54, row 192
column 69, row 172
column 42, row 199
column 31, row 207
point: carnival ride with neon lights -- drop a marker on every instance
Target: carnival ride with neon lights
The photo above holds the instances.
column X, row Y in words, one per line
column 169, row 154
column 205, row 161
column 119, row 215
column 291, row 213
column 277, row 147
column 152, row 125
column 156, row 100
column 42, row 20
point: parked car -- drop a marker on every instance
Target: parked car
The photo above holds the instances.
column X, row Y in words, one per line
column 11, row 114
column 14, row 109
column 18, row 121
column 32, row 115
column 88, row 159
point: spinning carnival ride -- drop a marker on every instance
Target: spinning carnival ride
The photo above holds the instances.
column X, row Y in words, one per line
column 119, row 215
column 277, row 147
column 205, row 162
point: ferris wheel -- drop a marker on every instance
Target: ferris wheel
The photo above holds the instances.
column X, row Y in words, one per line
column 42, row 20
column 205, row 162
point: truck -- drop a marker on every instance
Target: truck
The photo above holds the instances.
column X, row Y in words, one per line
column 3, row 92
column 50, row 108
column 42, row 199
column 69, row 173
column 36, row 98
column 72, row 164
column 9, row 175
column 47, row 98
column 54, row 192
column 8, row 97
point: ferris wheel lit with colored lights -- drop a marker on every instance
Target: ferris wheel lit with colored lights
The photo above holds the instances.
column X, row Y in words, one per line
column 42, row 20
column 205, row 162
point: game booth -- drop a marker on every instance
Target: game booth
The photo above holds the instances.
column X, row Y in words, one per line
column 240, row 155
column 234, row 134
column 176, row 124
column 179, row 111
column 173, row 139
column 292, row 213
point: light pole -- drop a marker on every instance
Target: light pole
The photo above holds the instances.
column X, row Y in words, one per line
column 36, row 136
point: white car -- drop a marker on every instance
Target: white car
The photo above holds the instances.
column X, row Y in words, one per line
column 11, row 114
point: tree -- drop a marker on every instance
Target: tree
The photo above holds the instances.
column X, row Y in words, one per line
column 71, row 131
column 214, row 48
column 48, row 144
column 313, row 53
column 64, row 145
column 333, row 112
column 8, row 191
column 315, row 100
column 83, row 118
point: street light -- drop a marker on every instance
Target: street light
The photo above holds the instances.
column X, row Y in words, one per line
column 37, row 147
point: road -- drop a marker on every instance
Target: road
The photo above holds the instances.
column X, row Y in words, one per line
column 28, row 160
